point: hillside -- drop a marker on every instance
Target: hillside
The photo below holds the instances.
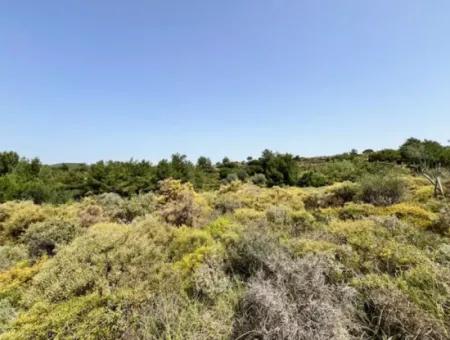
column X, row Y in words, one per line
column 362, row 259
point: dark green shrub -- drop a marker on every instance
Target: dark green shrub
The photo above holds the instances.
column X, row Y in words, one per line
column 259, row 179
column 386, row 155
column 45, row 237
column 312, row 179
column 382, row 190
column 344, row 194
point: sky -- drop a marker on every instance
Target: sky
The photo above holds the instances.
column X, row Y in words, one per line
column 85, row 80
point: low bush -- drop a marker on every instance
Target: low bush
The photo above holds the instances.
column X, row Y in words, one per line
column 11, row 254
column 259, row 179
column 84, row 317
column 113, row 205
column 393, row 310
column 173, row 315
column 91, row 213
column 412, row 213
column 301, row 221
column 278, row 215
column 122, row 210
column 17, row 217
column 245, row 215
column 390, row 315
column 227, row 204
column 344, row 193
column 43, row 238
column 442, row 224
column 179, row 204
column 294, row 301
column 382, row 190
column 106, row 258
column 355, row 211
column 312, row 179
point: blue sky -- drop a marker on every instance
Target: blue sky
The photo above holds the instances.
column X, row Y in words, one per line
column 105, row 79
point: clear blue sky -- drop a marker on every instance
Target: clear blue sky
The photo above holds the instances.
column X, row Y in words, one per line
column 104, row 79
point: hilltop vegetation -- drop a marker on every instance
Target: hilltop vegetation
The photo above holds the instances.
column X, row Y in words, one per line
column 354, row 246
column 24, row 179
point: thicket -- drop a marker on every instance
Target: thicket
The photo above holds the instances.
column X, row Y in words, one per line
column 365, row 255
column 25, row 179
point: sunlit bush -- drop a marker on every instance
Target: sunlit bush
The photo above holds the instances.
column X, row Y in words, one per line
column 17, row 217
column 179, row 203
column 382, row 190
column 107, row 257
column 393, row 309
column 278, row 215
column 11, row 254
column 45, row 237
column 84, row 317
column 172, row 315
column 91, row 213
column 442, row 224
column 412, row 213
column 294, row 301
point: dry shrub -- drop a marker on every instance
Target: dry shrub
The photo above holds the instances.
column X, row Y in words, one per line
column 113, row 205
column 210, row 279
column 122, row 210
column 179, row 204
column 278, row 214
column 172, row 315
column 251, row 252
column 91, row 213
column 293, row 300
column 336, row 196
column 227, row 204
column 442, row 225
column 390, row 315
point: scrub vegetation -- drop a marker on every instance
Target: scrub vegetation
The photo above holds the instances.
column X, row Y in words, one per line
column 354, row 246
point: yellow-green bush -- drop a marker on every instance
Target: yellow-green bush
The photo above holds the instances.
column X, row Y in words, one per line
column 425, row 292
column 11, row 254
column 179, row 264
column 106, row 258
column 84, row 317
column 244, row 215
column 18, row 216
column 180, row 205
column 412, row 213
column 14, row 281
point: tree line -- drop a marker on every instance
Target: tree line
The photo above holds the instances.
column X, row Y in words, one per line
column 29, row 179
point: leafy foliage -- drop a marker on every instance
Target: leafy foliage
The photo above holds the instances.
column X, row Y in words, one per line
column 233, row 250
